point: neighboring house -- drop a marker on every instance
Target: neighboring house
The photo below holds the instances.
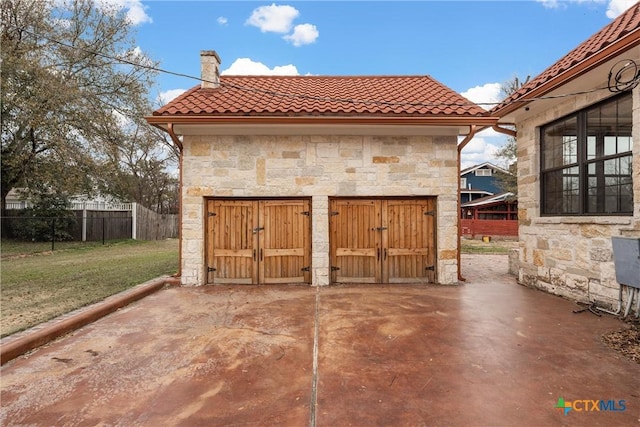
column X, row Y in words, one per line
column 319, row 179
column 578, row 136
column 480, row 181
column 495, row 215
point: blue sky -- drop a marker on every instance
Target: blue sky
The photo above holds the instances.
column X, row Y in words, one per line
column 470, row 46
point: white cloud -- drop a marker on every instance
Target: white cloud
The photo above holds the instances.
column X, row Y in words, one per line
column 136, row 11
column 483, row 148
column 247, row 67
column 617, row 7
column 303, row 34
column 276, row 19
column 169, row 95
column 486, row 95
column 136, row 55
column 549, row 4
column 122, row 120
column 222, row 20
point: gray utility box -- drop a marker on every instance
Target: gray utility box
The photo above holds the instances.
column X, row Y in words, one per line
column 626, row 256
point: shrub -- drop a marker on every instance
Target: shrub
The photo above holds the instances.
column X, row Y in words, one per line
column 48, row 218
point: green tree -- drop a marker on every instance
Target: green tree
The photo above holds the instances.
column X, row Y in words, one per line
column 49, row 217
column 65, row 82
column 140, row 170
column 508, row 182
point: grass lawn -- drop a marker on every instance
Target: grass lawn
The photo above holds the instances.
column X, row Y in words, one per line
column 38, row 284
column 470, row 246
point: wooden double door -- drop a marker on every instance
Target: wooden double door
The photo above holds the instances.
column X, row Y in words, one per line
column 382, row 240
column 258, row 241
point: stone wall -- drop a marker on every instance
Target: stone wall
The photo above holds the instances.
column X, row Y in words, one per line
column 319, row 167
column 564, row 255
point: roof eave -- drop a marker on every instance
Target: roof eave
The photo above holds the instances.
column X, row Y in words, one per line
column 185, row 119
column 629, row 41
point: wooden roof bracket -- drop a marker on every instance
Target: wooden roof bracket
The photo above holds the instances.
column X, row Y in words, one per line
column 510, row 132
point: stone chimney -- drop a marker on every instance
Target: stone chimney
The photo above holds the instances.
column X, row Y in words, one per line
column 209, row 69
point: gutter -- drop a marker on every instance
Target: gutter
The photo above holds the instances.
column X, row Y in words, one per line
column 473, row 129
column 181, row 119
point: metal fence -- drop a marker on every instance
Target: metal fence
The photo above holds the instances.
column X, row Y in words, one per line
column 74, row 227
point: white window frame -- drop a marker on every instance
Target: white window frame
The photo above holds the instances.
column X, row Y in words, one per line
column 484, row 172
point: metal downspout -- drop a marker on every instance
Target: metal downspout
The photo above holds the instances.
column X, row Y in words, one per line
column 178, row 143
column 472, row 132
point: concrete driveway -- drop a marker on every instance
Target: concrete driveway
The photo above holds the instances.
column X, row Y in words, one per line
column 487, row 353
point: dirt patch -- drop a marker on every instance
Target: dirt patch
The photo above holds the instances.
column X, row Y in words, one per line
column 625, row 341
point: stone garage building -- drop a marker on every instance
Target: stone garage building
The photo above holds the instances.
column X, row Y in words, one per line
column 317, row 179
column 578, row 136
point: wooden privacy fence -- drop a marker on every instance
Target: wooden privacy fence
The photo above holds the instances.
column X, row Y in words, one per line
column 108, row 222
column 489, row 227
column 150, row 225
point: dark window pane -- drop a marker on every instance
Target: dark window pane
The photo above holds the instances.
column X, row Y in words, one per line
column 574, row 179
column 591, row 147
column 624, row 144
column 560, row 144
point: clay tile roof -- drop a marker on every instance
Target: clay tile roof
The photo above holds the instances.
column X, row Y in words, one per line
column 625, row 30
column 323, row 96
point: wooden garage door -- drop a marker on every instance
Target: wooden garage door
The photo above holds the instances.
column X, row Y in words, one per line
column 383, row 241
column 258, row 241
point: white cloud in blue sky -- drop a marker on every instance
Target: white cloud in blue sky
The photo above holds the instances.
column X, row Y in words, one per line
column 247, row 67
column 221, row 20
column 169, row 95
column 483, row 147
column 485, row 95
column 136, row 11
column 279, row 19
column 614, row 8
column 303, row 34
column 276, row 19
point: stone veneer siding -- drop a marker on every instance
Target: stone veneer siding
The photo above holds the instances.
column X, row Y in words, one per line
column 320, row 167
column 570, row 256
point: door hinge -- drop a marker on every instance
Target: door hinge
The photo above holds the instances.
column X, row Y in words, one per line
column 334, row 268
column 431, row 213
column 307, row 213
column 306, row 269
column 333, row 213
column 430, row 268
column 210, row 269
column 381, row 228
column 211, row 214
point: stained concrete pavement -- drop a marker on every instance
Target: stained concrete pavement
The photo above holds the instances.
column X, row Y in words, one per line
column 486, row 353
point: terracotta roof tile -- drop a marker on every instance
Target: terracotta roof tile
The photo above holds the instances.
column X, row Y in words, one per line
column 628, row 22
column 323, row 96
